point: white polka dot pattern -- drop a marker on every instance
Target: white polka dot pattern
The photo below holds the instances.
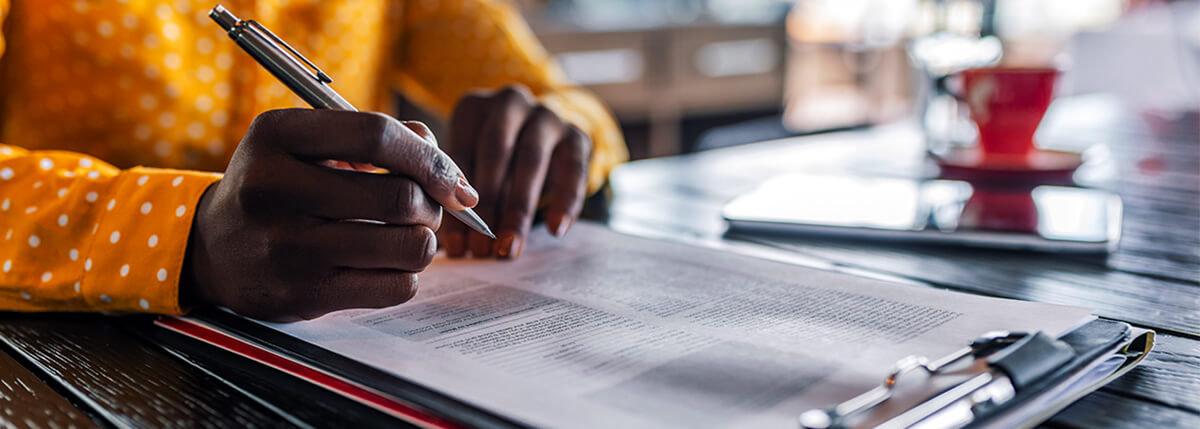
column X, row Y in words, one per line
column 83, row 234
column 67, row 266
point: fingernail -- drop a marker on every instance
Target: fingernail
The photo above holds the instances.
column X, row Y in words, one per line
column 422, row 130
column 466, row 195
column 504, row 244
column 509, row 246
column 564, row 225
column 517, row 246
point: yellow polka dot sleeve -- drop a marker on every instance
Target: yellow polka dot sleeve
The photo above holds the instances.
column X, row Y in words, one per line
column 446, row 48
column 3, row 15
column 82, row 235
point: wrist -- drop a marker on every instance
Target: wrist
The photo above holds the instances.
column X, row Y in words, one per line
column 193, row 287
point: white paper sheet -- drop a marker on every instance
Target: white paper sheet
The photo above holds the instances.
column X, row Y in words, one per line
column 607, row 330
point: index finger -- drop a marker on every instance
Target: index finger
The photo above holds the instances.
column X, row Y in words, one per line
column 370, row 138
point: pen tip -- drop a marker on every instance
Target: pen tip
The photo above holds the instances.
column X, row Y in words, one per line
column 483, row 229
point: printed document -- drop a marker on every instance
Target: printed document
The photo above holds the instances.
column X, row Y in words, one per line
column 601, row 329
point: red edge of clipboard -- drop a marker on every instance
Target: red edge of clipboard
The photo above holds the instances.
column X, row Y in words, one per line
column 334, row 383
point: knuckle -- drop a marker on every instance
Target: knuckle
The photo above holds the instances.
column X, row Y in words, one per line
column 472, row 98
column 375, row 121
column 582, row 142
column 415, row 206
column 400, row 287
column 404, row 285
column 426, row 240
column 442, row 170
column 378, row 129
column 407, row 196
column 331, row 286
column 270, row 117
column 514, row 95
column 509, row 91
column 577, row 136
column 518, row 89
column 265, row 124
column 544, row 127
column 421, row 130
column 544, row 114
column 272, row 121
column 436, row 219
column 442, row 167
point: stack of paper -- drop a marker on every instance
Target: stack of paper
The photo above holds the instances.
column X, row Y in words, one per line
column 607, row 330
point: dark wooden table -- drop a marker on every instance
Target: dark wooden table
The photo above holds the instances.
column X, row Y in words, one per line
column 1153, row 280
column 82, row 370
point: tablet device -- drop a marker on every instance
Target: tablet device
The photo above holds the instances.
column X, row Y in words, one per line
column 1043, row 218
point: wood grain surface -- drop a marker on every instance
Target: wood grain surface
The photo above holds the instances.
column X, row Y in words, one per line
column 28, row 402
column 125, row 381
column 306, row 404
column 1169, row 376
column 1110, row 410
column 1164, row 304
column 1152, row 280
column 89, row 370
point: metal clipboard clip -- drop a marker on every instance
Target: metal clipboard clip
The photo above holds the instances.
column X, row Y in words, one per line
column 1015, row 359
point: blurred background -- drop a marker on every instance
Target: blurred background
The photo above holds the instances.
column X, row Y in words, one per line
column 691, row 75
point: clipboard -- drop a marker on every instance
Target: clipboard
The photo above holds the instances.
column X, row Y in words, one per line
column 1095, row 354
column 1028, row 378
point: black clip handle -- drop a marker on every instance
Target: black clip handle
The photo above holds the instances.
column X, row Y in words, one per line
column 1030, row 358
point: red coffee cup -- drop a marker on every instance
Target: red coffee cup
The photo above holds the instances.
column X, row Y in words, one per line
column 1007, row 104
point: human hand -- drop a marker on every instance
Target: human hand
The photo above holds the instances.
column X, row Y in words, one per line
column 281, row 237
column 516, row 151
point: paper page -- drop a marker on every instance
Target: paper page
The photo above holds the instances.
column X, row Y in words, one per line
column 607, row 330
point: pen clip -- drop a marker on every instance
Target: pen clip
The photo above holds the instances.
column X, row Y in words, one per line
column 320, row 75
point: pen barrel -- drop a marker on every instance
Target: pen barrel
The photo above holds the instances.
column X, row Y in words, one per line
column 268, row 50
column 472, row 220
column 289, row 71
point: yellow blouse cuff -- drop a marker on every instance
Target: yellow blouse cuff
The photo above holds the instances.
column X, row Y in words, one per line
column 136, row 255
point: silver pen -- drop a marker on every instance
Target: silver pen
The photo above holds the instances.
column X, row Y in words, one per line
column 303, row 78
